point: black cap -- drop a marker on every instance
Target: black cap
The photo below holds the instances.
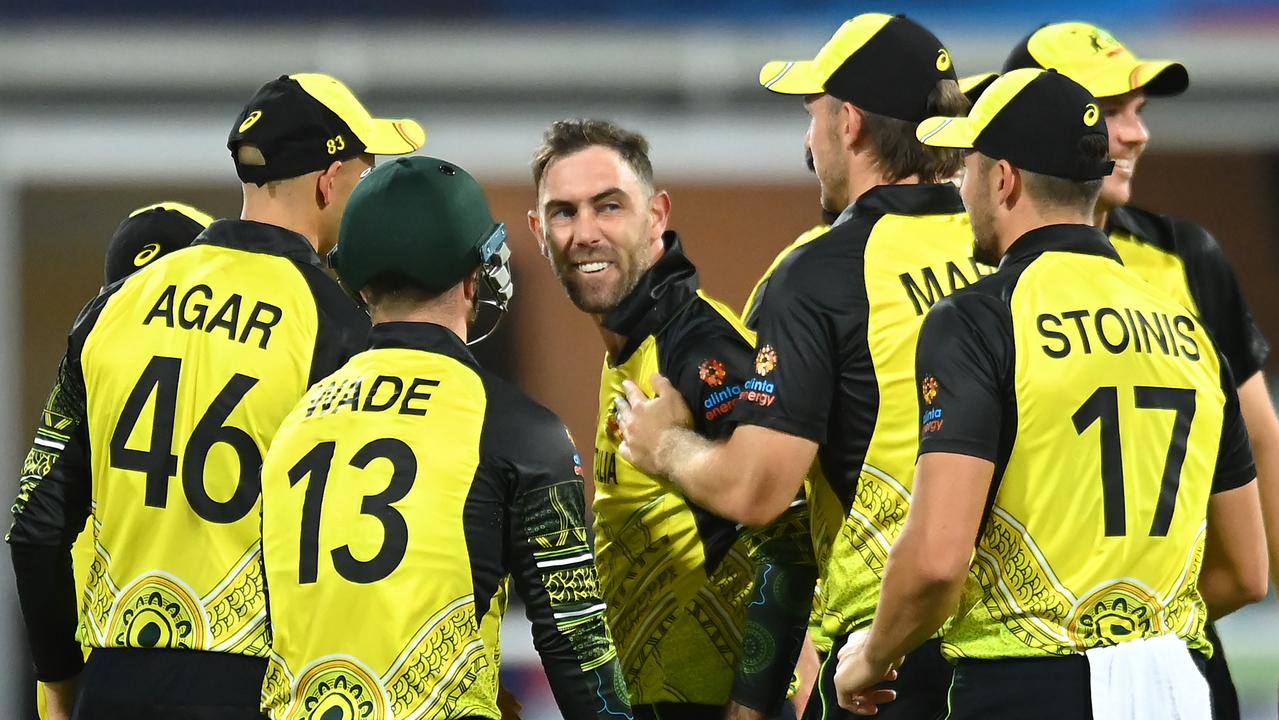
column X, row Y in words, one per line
column 149, row 233
column 885, row 64
column 1034, row 119
column 302, row 123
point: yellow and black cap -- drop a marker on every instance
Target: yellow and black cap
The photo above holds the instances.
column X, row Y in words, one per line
column 972, row 86
column 1035, row 119
column 885, row 64
column 149, row 233
column 1093, row 58
column 302, row 123
column 424, row 218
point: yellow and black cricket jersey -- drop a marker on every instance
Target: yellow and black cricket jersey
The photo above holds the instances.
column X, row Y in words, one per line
column 1110, row 419
column 398, row 495
column 174, row 382
column 1183, row 259
column 676, row 577
column 835, row 364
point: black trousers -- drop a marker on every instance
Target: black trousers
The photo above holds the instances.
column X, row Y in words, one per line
column 1052, row 688
column 1225, row 701
column 138, row 684
column 921, row 686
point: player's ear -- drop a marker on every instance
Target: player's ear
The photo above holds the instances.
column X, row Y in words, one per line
column 659, row 208
column 1007, row 183
column 852, row 123
column 535, row 227
column 326, row 184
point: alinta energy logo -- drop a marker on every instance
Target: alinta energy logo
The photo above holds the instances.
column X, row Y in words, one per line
column 712, row 372
column 928, row 389
column 765, row 360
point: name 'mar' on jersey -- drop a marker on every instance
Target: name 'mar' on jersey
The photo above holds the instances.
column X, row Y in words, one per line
column 838, row 322
column 398, row 496
column 1110, row 418
column 174, row 382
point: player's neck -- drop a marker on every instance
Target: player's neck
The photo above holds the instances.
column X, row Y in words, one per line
column 860, row 183
column 262, row 210
column 435, row 316
column 613, row 343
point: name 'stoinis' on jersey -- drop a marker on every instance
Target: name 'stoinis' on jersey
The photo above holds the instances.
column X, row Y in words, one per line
column 1118, row 330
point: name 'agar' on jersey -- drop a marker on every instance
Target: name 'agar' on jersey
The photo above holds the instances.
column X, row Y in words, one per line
column 192, row 312
column 1117, row 331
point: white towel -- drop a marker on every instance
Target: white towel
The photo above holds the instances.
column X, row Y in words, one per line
column 1147, row 679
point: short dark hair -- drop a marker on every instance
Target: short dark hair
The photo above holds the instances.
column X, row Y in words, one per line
column 1067, row 194
column 395, row 288
column 899, row 154
column 565, row 137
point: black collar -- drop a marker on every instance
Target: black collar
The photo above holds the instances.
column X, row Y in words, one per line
column 1122, row 219
column 260, row 238
column 424, row 336
column 663, row 291
column 1084, row 239
column 921, row 199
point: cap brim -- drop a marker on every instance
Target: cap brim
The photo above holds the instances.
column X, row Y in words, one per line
column 947, row 132
column 792, row 77
column 1162, row 77
column 1156, row 77
column 972, row 86
column 393, row 137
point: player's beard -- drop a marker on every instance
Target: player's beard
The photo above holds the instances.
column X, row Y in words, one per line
column 985, row 243
column 631, row 262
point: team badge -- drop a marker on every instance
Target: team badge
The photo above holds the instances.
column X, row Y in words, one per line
column 765, row 360
column 1114, row 613
column 712, row 372
column 612, row 428
column 928, row 389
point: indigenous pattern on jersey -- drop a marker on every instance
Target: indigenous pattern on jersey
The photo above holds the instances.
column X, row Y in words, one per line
column 173, row 385
column 781, row 610
column 1185, row 260
column 835, row 364
column 406, row 488
column 676, row 577
column 1101, row 400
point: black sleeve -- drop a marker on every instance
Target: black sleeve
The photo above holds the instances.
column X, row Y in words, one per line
column 778, row 612
column 802, row 327
column 553, row 571
column 963, row 364
column 1235, row 467
column 708, row 362
column 1221, row 303
column 50, row 511
column 343, row 326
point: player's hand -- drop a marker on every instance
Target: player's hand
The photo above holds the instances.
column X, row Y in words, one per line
column 59, row 698
column 645, row 421
column 856, row 677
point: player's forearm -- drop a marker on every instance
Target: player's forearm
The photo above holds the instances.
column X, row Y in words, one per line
column 729, row 483
column 46, row 592
column 1263, row 437
column 917, row 596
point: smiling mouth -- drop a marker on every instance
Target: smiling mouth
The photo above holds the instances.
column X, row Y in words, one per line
column 591, row 268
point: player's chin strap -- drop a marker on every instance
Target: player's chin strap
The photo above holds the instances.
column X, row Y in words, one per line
column 495, row 273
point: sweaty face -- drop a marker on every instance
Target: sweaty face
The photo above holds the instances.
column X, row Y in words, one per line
column 1128, row 138
column 979, row 201
column 823, row 153
column 597, row 223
